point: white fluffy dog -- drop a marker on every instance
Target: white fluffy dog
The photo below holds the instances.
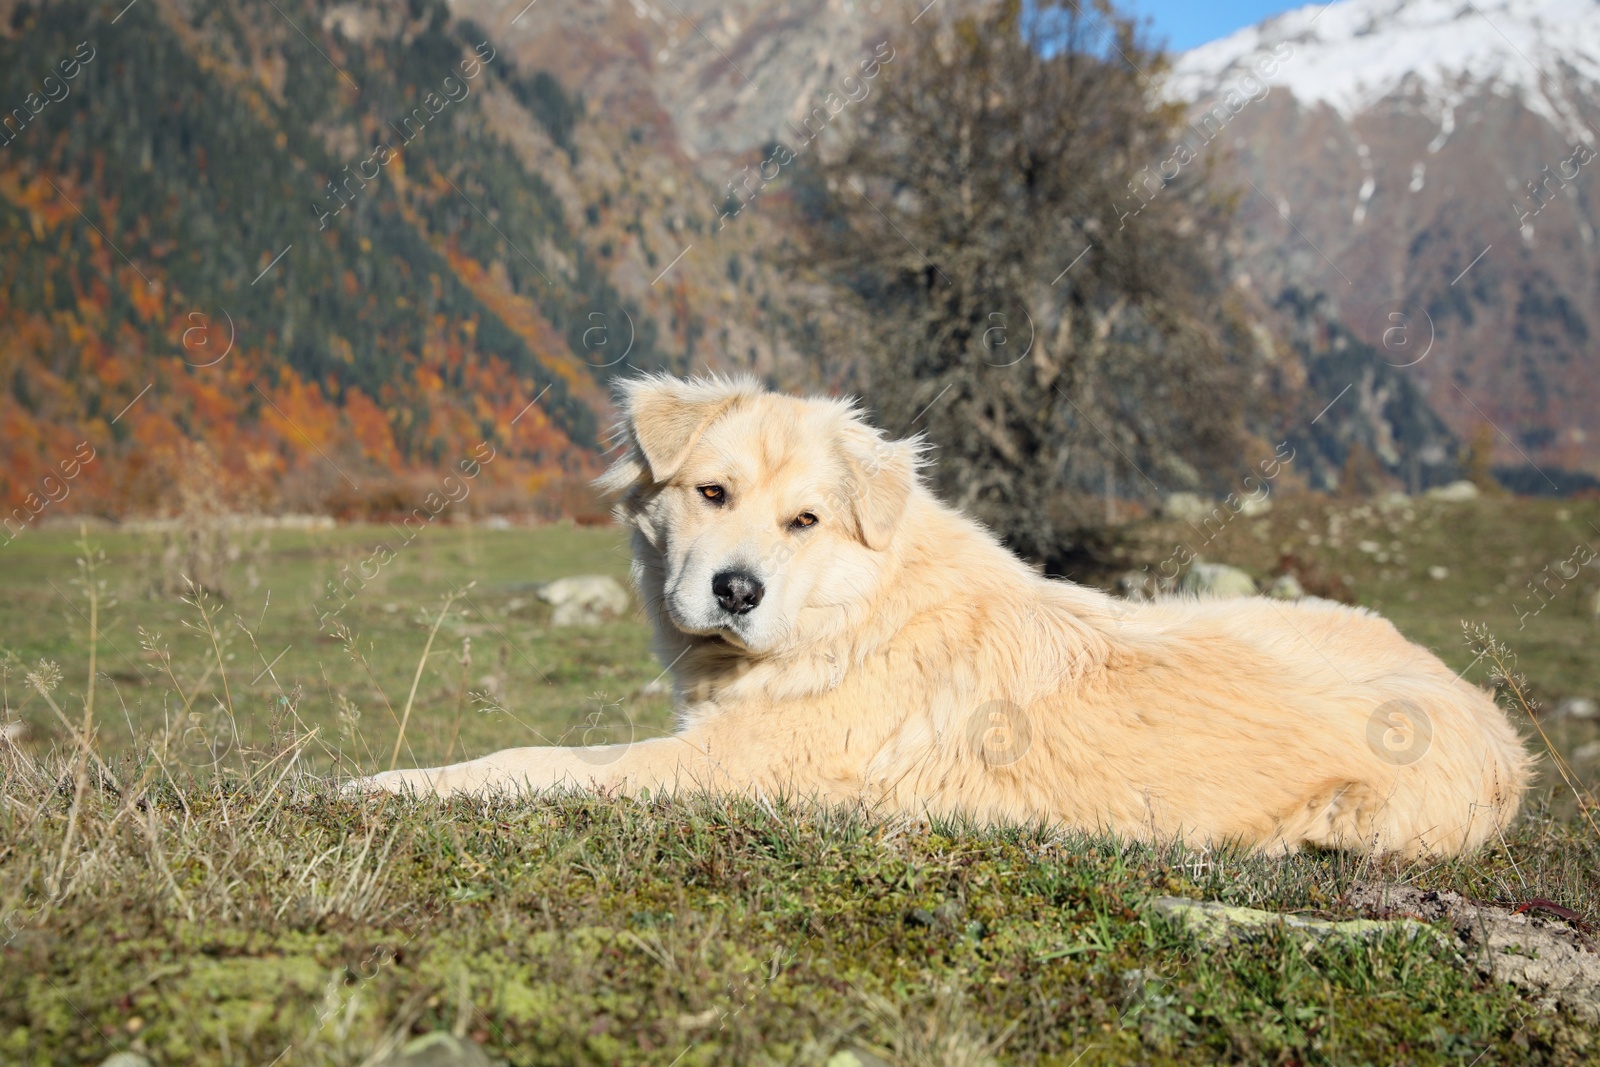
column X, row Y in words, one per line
column 834, row 631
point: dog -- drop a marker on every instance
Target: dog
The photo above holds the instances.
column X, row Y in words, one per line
column 834, row 631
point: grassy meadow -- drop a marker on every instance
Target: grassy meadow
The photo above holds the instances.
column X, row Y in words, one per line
column 188, row 887
column 497, row 674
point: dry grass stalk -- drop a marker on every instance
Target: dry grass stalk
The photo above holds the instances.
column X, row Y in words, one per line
column 1505, row 675
column 422, row 662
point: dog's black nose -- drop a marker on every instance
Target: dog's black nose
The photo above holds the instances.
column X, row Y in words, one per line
column 737, row 591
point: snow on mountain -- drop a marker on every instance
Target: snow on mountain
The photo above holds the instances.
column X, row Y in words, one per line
column 1353, row 53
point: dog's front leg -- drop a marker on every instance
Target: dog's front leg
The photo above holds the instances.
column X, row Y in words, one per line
column 662, row 763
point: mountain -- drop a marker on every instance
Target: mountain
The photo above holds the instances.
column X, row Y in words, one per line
column 234, row 252
column 712, row 78
column 311, row 255
column 1426, row 169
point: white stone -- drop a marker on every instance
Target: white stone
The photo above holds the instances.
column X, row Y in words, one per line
column 1137, row 585
column 1577, row 708
column 1454, row 493
column 1217, row 580
column 1185, row 507
column 585, row 599
column 1286, row 587
column 1251, row 506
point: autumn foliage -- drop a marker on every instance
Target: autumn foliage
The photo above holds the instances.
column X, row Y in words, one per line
column 165, row 292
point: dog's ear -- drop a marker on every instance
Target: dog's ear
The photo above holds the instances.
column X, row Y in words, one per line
column 881, row 475
column 663, row 417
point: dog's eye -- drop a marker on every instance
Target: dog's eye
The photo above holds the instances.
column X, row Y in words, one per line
column 714, row 493
column 802, row 520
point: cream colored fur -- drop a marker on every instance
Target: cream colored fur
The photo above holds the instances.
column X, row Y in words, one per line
column 902, row 657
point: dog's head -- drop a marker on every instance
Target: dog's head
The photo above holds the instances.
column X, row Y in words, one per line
column 762, row 519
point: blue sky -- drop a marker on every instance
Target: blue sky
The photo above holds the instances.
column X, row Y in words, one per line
column 1187, row 23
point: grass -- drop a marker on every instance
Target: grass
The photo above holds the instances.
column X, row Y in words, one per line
column 498, row 673
column 189, row 886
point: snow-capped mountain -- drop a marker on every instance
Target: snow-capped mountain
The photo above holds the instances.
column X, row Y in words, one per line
column 1438, row 160
column 1352, row 55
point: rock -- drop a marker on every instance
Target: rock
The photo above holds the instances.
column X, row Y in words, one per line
column 125, row 1059
column 438, row 1049
column 585, row 599
column 1540, row 954
column 1137, row 585
column 1286, row 587
column 1576, row 708
column 1588, row 753
column 1185, row 507
column 699, row 1019
column 947, row 916
column 950, row 913
column 1216, row 923
column 1217, row 580
column 1438, row 573
column 1251, row 506
column 1455, row 493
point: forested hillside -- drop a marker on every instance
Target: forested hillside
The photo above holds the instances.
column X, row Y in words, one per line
column 257, row 226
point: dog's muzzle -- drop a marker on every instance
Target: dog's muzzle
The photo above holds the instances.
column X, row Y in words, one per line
column 737, row 591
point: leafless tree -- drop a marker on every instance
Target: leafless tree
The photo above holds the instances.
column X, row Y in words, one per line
column 1032, row 270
